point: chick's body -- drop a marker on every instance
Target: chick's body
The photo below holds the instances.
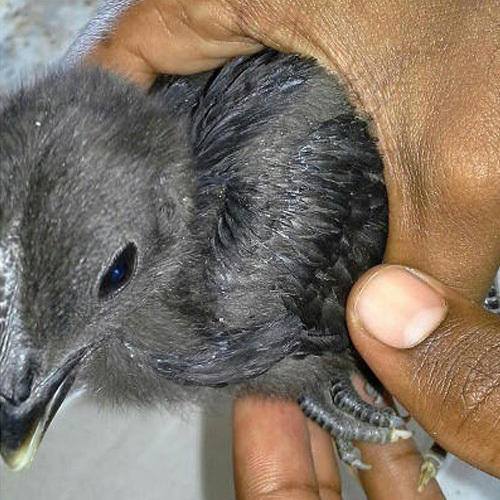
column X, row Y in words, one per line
column 251, row 201
column 289, row 209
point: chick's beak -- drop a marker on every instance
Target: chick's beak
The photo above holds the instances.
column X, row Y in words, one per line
column 23, row 424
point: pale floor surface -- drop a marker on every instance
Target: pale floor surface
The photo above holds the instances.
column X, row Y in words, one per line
column 89, row 454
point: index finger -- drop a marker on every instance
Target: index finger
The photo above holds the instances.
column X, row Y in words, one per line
column 271, row 450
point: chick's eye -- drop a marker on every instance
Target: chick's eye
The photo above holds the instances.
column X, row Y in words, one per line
column 120, row 271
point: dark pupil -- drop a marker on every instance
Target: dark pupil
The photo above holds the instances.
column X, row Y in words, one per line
column 119, row 272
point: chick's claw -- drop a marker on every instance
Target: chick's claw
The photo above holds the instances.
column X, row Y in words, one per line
column 350, row 455
column 348, row 418
column 430, row 466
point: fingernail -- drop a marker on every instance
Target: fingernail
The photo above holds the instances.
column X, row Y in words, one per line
column 398, row 308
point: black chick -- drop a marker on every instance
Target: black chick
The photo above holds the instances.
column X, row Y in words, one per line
column 204, row 236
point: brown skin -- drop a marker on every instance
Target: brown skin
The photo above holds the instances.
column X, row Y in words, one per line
column 280, row 454
column 428, row 74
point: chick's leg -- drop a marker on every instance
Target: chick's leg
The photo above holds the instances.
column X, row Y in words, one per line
column 348, row 418
column 345, row 397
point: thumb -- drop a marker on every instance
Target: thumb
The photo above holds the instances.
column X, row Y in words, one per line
column 437, row 352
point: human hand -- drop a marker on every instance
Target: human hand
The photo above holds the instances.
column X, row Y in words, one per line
column 450, row 380
column 279, row 454
column 428, row 76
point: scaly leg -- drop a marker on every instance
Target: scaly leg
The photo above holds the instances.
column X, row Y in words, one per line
column 345, row 397
column 348, row 418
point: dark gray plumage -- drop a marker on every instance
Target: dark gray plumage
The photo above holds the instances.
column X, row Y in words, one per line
column 203, row 236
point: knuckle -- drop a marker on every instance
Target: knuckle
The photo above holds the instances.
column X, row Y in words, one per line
column 265, row 479
column 401, row 456
column 289, row 491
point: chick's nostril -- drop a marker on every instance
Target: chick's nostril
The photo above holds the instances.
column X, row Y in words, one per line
column 16, row 384
column 22, row 389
